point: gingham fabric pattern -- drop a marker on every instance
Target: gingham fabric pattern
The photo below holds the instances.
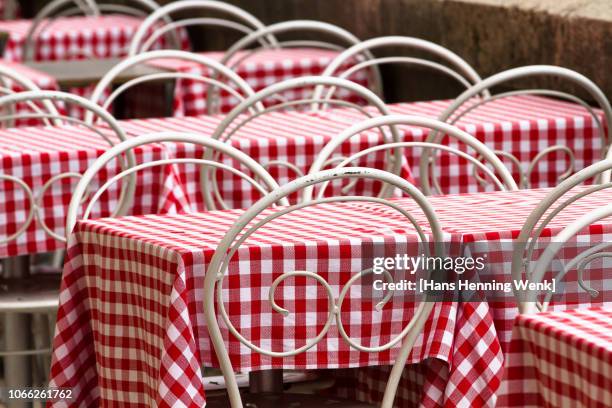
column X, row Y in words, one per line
column 37, row 154
column 560, row 359
column 326, row 239
column 76, row 37
column 520, row 125
column 259, row 70
column 488, row 228
column 290, row 137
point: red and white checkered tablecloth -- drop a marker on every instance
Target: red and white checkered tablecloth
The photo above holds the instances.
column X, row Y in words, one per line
column 76, row 37
column 37, row 154
column 262, row 69
column 520, row 125
column 291, row 137
column 126, row 335
column 560, row 359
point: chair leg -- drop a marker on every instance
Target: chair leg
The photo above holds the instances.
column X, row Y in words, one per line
column 40, row 329
column 17, row 369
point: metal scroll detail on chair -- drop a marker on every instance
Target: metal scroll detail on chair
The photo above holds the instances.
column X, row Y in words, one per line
column 540, row 218
column 267, row 182
column 236, row 119
column 47, row 98
column 462, row 72
column 452, row 114
column 253, row 219
column 241, row 90
column 243, row 22
column 503, row 180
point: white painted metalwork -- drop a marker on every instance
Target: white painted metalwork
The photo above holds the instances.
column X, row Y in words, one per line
column 500, row 175
column 267, row 182
column 342, row 36
column 453, row 112
column 48, row 98
column 463, row 72
column 241, row 19
column 251, row 221
column 240, row 90
column 236, row 119
column 555, row 202
column 52, row 10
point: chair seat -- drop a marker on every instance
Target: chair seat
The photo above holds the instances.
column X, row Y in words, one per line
column 34, row 294
column 286, row 400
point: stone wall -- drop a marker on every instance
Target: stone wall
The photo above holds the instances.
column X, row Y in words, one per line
column 492, row 35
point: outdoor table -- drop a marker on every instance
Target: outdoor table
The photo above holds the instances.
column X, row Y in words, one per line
column 521, row 126
column 259, row 70
column 561, row 359
column 130, row 324
column 70, row 38
column 68, row 74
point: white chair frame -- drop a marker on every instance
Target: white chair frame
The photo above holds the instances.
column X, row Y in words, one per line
column 234, row 238
column 214, row 66
column 504, row 182
column 297, row 25
column 541, row 216
column 315, row 104
column 128, row 189
column 466, row 75
column 80, row 191
column 47, row 14
column 247, row 23
column 450, row 113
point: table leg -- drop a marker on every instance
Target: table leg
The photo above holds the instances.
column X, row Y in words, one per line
column 17, row 335
column 265, row 381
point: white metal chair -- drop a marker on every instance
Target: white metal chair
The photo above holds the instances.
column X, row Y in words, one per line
column 339, row 40
column 540, row 218
column 239, row 90
column 238, row 117
column 51, row 116
column 251, row 222
column 457, row 109
column 260, row 178
column 500, row 175
column 50, row 12
column 460, row 70
column 12, row 80
column 240, row 21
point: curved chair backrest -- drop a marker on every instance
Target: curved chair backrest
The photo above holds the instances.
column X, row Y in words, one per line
column 8, row 79
column 242, row 21
column 501, row 177
column 236, row 119
column 264, row 186
column 113, row 134
column 342, row 37
column 252, row 220
column 452, row 113
column 540, row 218
column 528, row 301
column 52, row 10
column 240, row 90
column 461, row 70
